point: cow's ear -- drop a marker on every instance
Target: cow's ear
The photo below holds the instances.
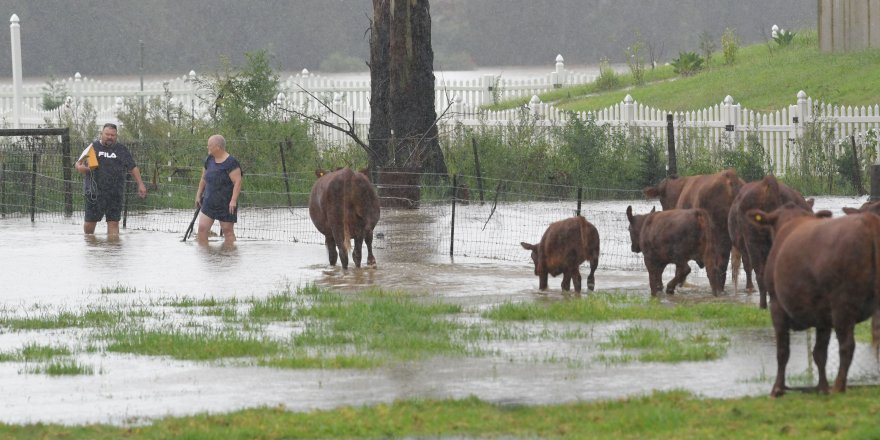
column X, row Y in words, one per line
column 527, row 246
column 824, row 214
column 319, row 173
column 629, row 213
column 651, row 192
column 847, row 210
column 810, row 202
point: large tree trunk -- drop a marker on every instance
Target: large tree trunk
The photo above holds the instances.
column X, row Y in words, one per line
column 411, row 88
column 380, row 111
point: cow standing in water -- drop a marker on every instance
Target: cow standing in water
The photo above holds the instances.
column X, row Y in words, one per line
column 343, row 205
column 674, row 237
column 822, row 273
column 712, row 192
column 563, row 247
column 754, row 243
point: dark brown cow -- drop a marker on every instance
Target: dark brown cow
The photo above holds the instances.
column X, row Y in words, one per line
column 822, row 273
column 752, row 242
column 872, row 206
column 344, row 205
column 675, row 237
column 563, row 247
column 712, row 192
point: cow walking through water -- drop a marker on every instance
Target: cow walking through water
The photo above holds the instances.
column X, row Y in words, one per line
column 754, row 243
column 675, row 237
column 822, row 273
column 563, row 247
column 343, row 206
column 712, row 192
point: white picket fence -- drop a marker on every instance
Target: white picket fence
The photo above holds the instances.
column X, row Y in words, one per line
column 459, row 104
column 109, row 97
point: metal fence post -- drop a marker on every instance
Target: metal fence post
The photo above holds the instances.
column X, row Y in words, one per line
column 672, row 167
column 34, row 187
column 580, row 193
column 452, row 227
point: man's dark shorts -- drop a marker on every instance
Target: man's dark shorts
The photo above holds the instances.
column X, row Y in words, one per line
column 107, row 204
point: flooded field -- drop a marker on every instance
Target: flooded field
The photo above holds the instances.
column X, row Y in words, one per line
column 52, row 266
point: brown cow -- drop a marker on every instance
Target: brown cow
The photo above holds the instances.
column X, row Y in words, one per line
column 563, row 247
column 752, row 242
column 869, row 206
column 822, row 273
column 344, row 205
column 675, row 236
column 712, row 192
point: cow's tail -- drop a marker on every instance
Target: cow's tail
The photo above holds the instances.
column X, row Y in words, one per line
column 735, row 263
column 709, row 247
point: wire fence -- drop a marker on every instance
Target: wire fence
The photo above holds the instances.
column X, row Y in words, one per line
column 483, row 217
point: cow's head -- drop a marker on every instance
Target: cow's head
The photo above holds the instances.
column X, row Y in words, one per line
column 536, row 257
column 635, row 227
column 667, row 191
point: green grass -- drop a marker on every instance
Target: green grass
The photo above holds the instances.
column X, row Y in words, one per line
column 95, row 317
column 611, row 306
column 118, row 288
column 765, row 77
column 62, row 367
column 656, row 345
column 198, row 345
column 674, row 414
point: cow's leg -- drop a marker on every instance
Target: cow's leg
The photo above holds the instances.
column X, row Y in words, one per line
column 762, row 289
column 368, row 239
column 847, row 346
column 356, row 252
column 820, row 357
column 655, row 279
column 681, row 272
column 783, row 351
column 331, row 249
column 747, row 267
column 576, row 279
column 340, row 246
column 722, row 269
column 542, row 281
column 591, row 278
column 566, row 281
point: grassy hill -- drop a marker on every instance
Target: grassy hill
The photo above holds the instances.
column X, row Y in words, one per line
column 764, row 77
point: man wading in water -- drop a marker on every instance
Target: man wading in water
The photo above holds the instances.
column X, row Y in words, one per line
column 104, row 186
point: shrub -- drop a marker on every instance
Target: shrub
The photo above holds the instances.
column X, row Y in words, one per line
column 729, row 45
column 687, row 63
column 607, row 76
column 635, row 59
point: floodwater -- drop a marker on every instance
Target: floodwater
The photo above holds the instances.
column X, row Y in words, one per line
column 54, row 266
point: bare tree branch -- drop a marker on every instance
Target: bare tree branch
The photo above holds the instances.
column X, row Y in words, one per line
column 348, row 131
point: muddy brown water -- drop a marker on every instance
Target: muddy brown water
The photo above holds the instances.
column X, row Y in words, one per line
column 53, row 265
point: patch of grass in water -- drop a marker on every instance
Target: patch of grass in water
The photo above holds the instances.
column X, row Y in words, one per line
column 117, row 288
column 36, row 352
column 199, row 344
column 294, row 361
column 90, row 318
column 62, row 367
column 656, row 345
column 385, row 322
column 610, row 306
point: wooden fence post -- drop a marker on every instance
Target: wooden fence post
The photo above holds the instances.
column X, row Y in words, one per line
column 672, row 168
column 477, row 166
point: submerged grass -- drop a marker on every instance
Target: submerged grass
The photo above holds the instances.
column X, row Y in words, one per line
column 675, row 414
column 611, row 306
column 88, row 319
column 62, row 367
column 658, row 345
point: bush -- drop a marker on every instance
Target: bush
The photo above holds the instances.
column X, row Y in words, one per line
column 608, row 78
column 687, row 63
column 729, row 45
